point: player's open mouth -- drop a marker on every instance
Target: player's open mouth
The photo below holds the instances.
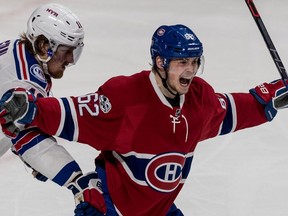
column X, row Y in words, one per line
column 184, row 82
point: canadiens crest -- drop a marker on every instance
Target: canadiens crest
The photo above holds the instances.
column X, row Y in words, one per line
column 104, row 104
column 163, row 172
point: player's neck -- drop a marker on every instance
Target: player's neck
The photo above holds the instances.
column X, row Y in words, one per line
column 165, row 91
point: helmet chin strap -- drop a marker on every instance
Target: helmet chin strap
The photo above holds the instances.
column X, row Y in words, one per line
column 164, row 82
column 43, row 61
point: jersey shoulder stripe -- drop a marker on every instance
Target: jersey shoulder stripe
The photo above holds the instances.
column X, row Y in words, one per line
column 27, row 67
column 20, row 62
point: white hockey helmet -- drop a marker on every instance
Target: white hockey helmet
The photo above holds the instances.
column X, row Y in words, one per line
column 59, row 25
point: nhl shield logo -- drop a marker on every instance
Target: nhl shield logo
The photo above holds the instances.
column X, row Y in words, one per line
column 105, row 104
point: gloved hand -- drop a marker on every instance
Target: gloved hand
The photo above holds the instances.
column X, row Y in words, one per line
column 85, row 209
column 16, row 105
column 272, row 95
column 88, row 195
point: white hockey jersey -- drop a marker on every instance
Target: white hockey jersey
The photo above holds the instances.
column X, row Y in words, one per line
column 19, row 68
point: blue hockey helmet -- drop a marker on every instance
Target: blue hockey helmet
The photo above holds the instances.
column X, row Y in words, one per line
column 175, row 41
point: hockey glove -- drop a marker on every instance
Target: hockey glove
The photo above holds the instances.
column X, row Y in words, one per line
column 16, row 105
column 88, row 195
column 273, row 96
column 84, row 208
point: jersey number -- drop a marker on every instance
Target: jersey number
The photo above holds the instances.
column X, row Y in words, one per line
column 85, row 101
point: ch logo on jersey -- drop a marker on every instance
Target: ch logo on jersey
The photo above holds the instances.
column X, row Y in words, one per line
column 164, row 172
column 37, row 72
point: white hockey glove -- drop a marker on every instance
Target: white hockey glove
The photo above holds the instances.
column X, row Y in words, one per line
column 16, row 105
column 273, row 96
column 88, row 195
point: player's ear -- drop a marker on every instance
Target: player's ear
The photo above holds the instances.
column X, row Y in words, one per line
column 42, row 46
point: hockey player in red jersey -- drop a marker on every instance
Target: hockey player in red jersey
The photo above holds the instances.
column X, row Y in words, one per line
column 147, row 125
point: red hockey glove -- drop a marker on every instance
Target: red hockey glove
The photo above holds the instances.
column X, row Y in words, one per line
column 16, row 105
column 87, row 189
column 273, row 96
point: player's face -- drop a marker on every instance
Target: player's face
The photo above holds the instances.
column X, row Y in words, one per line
column 181, row 73
column 59, row 61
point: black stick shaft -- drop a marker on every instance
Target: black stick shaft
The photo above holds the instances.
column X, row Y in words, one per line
column 274, row 54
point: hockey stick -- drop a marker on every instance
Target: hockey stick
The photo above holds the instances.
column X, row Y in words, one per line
column 267, row 39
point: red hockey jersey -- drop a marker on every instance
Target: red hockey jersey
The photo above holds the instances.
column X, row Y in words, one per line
column 147, row 145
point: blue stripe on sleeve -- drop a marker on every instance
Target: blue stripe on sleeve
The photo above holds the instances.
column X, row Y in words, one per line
column 66, row 172
column 68, row 127
column 228, row 120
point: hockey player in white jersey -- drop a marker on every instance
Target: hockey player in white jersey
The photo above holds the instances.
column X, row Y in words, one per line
column 53, row 41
